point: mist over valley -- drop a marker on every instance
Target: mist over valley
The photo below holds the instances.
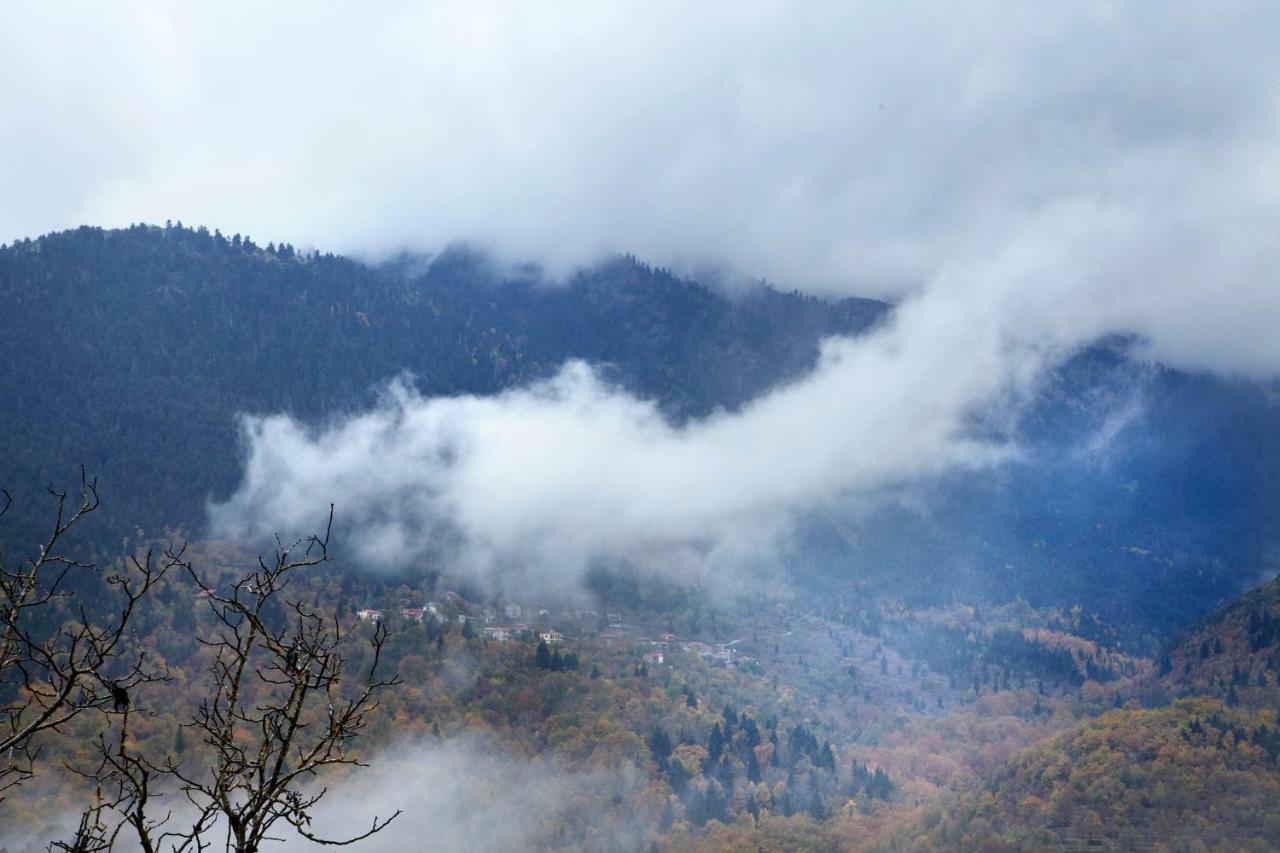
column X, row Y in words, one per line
column 624, row 428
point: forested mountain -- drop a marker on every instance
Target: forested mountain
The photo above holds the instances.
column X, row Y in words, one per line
column 1145, row 494
column 132, row 351
column 901, row 695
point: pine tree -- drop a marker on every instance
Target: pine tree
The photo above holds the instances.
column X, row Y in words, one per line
column 879, row 785
column 724, row 775
column 677, row 776
column 695, row 807
column 717, row 804
column 827, row 757
column 542, row 657
column 787, row 808
column 660, row 745
column 730, row 720
column 816, row 807
column 715, row 744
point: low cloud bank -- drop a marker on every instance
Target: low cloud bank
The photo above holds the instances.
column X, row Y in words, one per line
column 1032, row 182
column 540, row 482
column 842, row 147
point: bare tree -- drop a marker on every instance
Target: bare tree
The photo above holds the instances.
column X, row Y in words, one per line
column 278, row 714
column 59, row 657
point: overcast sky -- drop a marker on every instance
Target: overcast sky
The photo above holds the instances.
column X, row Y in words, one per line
column 1022, row 177
column 850, row 146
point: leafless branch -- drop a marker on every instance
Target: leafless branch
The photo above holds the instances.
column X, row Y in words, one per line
column 60, row 658
column 280, row 711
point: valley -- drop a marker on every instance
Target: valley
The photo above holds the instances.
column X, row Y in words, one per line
column 871, row 685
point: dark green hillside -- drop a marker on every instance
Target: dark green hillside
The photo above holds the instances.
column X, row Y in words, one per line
column 132, row 351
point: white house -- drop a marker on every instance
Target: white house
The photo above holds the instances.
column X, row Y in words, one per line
column 698, row 648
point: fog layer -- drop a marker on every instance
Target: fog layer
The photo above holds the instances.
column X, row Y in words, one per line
column 547, row 479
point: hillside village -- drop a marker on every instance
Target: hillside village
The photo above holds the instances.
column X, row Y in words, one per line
column 865, row 656
column 499, row 623
column 757, row 708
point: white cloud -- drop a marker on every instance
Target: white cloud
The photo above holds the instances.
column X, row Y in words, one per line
column 544, row 480
column 1027, row 177
column 831, row 146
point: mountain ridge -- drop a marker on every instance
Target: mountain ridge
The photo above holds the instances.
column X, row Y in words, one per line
column 267, row 330
column 1174, row 514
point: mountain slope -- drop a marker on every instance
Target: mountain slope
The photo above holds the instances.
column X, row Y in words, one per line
column 1143, row 494
column 1189, row 776
column 133, row 351
column 1233, row 654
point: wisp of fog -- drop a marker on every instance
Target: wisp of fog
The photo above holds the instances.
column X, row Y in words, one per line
column 546, row 479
